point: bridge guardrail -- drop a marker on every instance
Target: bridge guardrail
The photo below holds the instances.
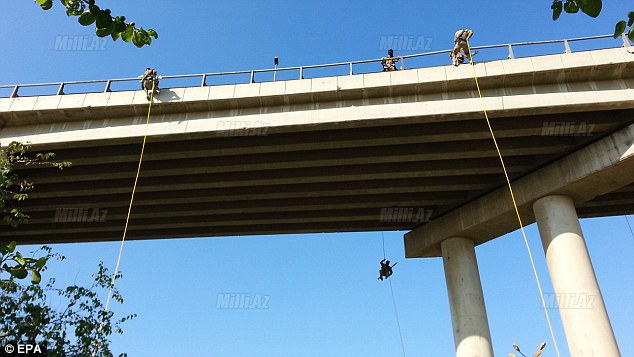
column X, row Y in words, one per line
column 301, row 69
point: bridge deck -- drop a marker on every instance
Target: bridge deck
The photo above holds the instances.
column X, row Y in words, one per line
column 320, row 160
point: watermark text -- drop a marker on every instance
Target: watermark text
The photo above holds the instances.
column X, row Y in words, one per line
column 405, row 215
column 242, row 301
column 80, row 43
column 23, row 349
column 567, row 128
column 569, row 301
column 241, row 128
column 80, row 215
column 405, row 43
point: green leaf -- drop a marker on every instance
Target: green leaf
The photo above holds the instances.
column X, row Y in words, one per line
column 145, row 38
column 41, row 2
column 11, row 246
column 119, row 24
column 75, row 8
column 3, row 249
column 591, row 8
column 40, row 262
column 152, row 33
column 557, row 8
column 115, row 36
column 19, row 273
column 138, row 39
column 87, row 18
column 630, row 35
column 47, row 4
column 104, row 19
column 94, row 9
column 102, row 32
column 630, row 15
column 18, row 258
column 571, row 7
column 620, row 28
column 35, row 277
column 128, row 34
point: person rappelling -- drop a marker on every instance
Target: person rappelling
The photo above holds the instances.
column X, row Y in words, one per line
column 460, row 50
column 386, row 269
column 150, row 82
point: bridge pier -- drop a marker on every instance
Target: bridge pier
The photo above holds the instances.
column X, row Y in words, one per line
column 583, row 314
column 468, row 314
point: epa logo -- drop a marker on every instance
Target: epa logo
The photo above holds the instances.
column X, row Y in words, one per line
column 24, row 349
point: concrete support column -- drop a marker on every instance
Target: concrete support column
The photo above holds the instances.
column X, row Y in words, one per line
column 468, row 314
column 583, row 312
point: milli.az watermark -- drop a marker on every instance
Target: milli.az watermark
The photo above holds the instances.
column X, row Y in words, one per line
column 567, row 128
column 405, row 215
column 242, row 301
column 80, row 215
column 80, row 43
column 405, row 43
column 241, row 128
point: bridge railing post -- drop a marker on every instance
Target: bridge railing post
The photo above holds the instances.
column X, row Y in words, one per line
column 14, row 93
column 350, row 63
column 402, row 63
column 252, row 77
column 107, row 89
column 626, row 41
column 511, row 54
column 567, row 46
column 204, row 81
column 60, row 90
column 301, row 72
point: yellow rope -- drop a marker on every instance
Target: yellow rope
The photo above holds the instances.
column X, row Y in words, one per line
column 127, row 220
column 517, row 212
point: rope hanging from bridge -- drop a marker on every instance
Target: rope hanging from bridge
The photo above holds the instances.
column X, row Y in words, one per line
column 398, row 323
column 517, row 212
column 127, row 219
column 628, row 225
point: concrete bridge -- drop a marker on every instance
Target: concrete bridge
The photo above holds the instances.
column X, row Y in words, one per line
column 406, row 150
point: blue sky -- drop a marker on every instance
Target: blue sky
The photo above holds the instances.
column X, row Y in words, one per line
column 324, row 298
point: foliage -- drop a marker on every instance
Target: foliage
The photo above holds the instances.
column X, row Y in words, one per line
column 12, row 192
column 592, row 8
column 79, row 327
column 20, row 266
column 82, row 326
column 105, row 24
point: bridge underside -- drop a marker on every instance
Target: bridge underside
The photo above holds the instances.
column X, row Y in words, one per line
column 325, row 178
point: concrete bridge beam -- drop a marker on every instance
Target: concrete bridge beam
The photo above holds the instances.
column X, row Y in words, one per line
column 594, row 170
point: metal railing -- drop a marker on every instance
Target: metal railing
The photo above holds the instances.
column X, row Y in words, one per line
column 301, row 69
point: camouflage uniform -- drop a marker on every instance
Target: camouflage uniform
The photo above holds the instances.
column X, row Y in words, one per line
column 144, row 77
column 389, row 62
column 461, row 48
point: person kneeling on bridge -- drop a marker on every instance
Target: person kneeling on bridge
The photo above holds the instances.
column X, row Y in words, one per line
column 386, row 269
column 389, row 62
column 461, row 48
